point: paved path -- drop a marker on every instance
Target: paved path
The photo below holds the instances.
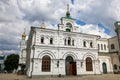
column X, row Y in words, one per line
column 86, row 77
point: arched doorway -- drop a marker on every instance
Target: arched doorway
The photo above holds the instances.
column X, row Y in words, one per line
column 46, row 64
column 70, row 66
column 89, row 66
column 104, row 68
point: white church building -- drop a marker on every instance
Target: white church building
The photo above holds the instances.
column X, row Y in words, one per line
column 64, row 52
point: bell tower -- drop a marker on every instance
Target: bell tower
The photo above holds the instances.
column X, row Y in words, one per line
column 67, row 22
column 117, row 30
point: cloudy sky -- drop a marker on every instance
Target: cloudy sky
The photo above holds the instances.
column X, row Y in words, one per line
column 92, row 16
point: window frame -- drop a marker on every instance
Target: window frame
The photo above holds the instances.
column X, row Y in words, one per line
column 46, row 64
column 89, row 65
column 101, row 46
column 98, row 46
column 42, row 40
column 68, row 27
column 51, row 40
column 105, row 47
column 91, row 44
column 65, row 42
column 115, row 66
column 112, row 46
column 73, row 43
column 84, row 43
column 69, row 41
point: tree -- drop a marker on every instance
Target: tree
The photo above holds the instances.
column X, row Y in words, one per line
column 11, row 62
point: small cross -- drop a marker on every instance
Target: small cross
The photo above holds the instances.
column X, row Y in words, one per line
column 67, row 7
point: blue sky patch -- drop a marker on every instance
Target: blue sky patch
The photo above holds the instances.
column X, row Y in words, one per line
column 107, row 31
column 79, row 22
column 72, row 1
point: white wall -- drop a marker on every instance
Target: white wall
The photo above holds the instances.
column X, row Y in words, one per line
column 107, row 60
column 103, row 41
column 59, row 51
column 113, row 40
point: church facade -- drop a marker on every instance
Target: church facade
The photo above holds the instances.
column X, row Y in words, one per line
column 64, row 51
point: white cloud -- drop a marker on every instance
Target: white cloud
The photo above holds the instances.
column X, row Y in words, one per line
column 8, row 52
column 15, row 15
column 10, row 11
column 114, row 10
column 93, row 29
column 100, row 11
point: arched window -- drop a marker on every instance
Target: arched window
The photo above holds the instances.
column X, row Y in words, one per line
column 101, row 47
column 89, row 66
column 73, row 42
column 46, row 64
column 98, row 47
column 91, row 44
column 68, row 27
column 42, row 40
column 84, row 43
column 69, row 41
column 115, row 66
column 51, row 40
column 112, row 46
column 65, row 42
column 104, row 47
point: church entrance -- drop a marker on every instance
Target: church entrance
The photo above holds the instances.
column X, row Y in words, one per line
column 104, row 68
column 70, row 66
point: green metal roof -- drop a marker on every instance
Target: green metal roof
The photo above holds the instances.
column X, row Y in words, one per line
column 68, row 17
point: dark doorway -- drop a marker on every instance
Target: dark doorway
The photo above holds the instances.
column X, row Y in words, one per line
column 70, row 66
column 104, row 68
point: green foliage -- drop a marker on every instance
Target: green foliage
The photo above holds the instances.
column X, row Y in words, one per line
column 11, row 62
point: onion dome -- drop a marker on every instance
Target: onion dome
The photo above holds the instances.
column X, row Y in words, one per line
column 24, row 35
column 43, row 25
column 68, row 12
